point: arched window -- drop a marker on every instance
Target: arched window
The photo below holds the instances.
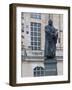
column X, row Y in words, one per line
column 38, row 71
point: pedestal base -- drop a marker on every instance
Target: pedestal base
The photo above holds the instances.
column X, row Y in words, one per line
column 50, row 67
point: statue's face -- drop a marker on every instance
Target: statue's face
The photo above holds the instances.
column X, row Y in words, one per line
column 50, row 22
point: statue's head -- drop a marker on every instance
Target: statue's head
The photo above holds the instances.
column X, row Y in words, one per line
column 50, row 22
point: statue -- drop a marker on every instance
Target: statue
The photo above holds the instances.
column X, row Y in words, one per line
column 51, row 36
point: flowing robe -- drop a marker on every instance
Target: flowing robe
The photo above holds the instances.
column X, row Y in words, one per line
column 50, row 41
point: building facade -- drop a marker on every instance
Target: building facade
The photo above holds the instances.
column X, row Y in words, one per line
column 33, row 42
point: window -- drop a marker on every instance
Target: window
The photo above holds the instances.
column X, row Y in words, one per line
column 38, row 71
column 22, row 27
column 22, row 36
column 35, row 36
column 27, row 32
column 22, row 30
column 36, row 15
column 22, row 15
column 60, row 39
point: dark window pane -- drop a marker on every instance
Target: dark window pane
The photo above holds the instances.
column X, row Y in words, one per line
column 34, row 73
column 35, row 48
column 38, row 29
column 27, row 32
column 35, row 38
column 31, row 28
column 22, row 24
column 22, row 30
column 38, row 71
column 39, row 39
column 31, row 23
column 35, row 29
column 32, row 33
column 39, row 43
column 31, row 38
column 35, row 33
column 42, row 73
column 38, row 68
column 35, row 24
column 31, row 43
column 32, row 48
column 39, row 34
column 34, row 43
column 39, row 25
column 22, row 36
column 22, row 15
column 38, row 48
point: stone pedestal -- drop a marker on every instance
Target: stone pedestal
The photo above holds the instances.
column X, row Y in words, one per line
column 50, row 67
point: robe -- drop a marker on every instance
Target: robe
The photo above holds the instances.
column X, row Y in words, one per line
column 51, row 36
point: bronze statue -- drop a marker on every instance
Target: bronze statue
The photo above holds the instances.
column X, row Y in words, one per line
column 51, row 36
